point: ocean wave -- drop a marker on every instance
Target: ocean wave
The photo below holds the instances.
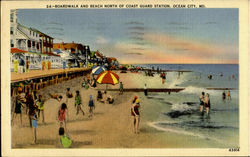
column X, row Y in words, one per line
column 186, row 108
column 193, row 89
column 200, row 124
column 180, row 131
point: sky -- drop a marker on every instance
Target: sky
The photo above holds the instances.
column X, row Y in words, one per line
column 187, row 36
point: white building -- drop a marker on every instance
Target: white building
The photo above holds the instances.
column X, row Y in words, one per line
column 38, row 46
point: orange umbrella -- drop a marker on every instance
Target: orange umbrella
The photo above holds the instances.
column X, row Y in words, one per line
column 108, row 77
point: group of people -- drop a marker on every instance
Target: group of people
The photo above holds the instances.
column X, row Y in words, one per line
column 226, row 95
column 89, row 81
column 104, row 98
column 34, row 107
column 205, row 103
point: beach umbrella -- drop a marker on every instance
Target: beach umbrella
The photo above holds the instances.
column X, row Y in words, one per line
column 108, row 77
column 96, row 70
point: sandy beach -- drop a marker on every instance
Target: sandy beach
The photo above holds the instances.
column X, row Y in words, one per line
column 110, row 127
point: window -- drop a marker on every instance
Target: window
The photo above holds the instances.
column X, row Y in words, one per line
column 11, row 43
column 30, row 32
column 33, row 33
column 37, row 45
column 11, row 30
column 11, row 17
column 29, row 43
column 33, row 43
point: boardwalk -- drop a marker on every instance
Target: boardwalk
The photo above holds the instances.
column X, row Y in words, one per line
column 33, row 74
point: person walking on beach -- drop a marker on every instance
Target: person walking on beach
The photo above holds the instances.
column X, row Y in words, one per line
column 135, row 114
column 207, row 103
column 145, row 90
column 34, row 125
column 18, row 104
column 62, row 114
column 31, row 106
column 121, row 88
column 228, row 95
column 40, row 104
column 65, row 140
column 91, row 106
column 202, row 102
column 78, row 103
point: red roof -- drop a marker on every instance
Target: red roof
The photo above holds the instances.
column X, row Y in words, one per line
column 16, row 50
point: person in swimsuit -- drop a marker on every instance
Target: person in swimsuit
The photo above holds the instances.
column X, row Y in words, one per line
column 121, row 88
column 34, row 125
column 207, row 103
column 56, row 96
column 135, row 114
column 18, row 104
column 40, row 104
column 228, row 95
column 91, row 106
column 78, row 103
column 202, row 102
column 62, row 114
column 224, row 95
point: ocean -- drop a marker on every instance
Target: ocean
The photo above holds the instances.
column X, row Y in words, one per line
column 179, row 112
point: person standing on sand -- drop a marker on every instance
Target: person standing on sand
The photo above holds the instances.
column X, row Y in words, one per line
column 228, row 95
column 62, row 114
column 18, row 107
column 34, row 125
column 135, row 114
column 40, row 104
column 78, row 103
column 163, row 77
column 31, row 105
column 145, row 90
column 202, row 102
column 121, row 88
column 207, row 103
column 91, row 106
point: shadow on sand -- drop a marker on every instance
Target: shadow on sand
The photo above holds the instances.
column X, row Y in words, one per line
column 78, row 144
column 79, row 132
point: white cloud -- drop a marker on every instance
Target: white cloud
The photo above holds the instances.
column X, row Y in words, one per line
column 102, row 40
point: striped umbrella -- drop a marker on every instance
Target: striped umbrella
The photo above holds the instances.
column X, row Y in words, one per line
column 108, row 77
column 97, row 70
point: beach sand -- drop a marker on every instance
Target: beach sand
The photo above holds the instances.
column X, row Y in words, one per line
column 110, row 127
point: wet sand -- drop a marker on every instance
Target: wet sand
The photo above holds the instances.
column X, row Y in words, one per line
column 110, row 127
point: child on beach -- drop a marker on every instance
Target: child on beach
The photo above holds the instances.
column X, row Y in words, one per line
column 91, row 106
column 65, row 140
column 99, row 96
column 68, row 93
column 40, row 104
column 78, row 103
column 135, row 114
column 34, row 125
column 62, row 114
